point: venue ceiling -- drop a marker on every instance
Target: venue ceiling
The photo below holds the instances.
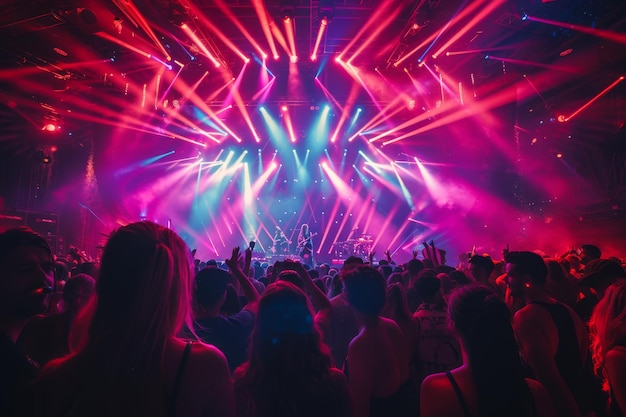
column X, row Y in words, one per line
column 494, row 91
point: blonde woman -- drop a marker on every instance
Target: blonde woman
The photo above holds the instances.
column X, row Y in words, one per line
column 130, row 361
column 608, row 345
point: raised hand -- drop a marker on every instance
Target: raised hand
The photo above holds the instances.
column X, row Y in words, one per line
column 415, row 252
column 233, row 261
column 505, row 251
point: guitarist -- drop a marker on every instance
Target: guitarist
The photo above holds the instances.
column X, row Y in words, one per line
column 305, row 245
column 280, row 243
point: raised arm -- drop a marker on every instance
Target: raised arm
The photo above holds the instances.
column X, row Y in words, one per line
column 427, row 252
column 241, row 280
column 318, row 298
column 436, row 261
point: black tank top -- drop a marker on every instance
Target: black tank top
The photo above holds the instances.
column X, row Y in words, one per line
column 171, row 399
column 567, row 357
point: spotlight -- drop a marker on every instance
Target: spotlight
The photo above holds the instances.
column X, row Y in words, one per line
column 524, row 16
column 284, row 108
column 327, row 10
column 50, row 127
column 287, row 9
column 43, row 157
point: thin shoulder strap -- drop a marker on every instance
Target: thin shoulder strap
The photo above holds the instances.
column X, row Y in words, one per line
column 459, row 394
column 179, row 376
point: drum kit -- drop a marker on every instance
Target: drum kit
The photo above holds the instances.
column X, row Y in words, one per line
column 361, row 247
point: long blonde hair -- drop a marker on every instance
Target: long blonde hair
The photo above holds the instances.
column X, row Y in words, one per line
column 142, row 298
column 607, row 326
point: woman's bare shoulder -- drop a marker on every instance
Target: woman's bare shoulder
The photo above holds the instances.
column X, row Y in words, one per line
column 543, row 401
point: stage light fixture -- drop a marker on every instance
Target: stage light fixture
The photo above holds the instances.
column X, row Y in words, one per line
column 287, row 9
column 327, row 10
column 43, row 157
column 50, row 127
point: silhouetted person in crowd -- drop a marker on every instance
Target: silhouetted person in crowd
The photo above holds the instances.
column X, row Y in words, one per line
column 589, row 253
column 413, row 269
column 46, row 337
column 438, row 347
column 491, row 382
column 377, row 365
column 26, row 283
column 130, row 362
column 481, row 268
column 599, row 275
column 560, row 285
column 289, row 371
column 552, row 338
column 338, row 323
column 229, row 333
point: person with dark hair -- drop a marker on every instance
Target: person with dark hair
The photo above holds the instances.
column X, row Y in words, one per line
column 560, row 285
column 289, row 370
column 552, row 338
column 305, row 245
column 377, row 365
column 130, row 361
column 491, row 382
column 228, row 333
column 413, row 269
column 46, row 337
column 608, row 345
column 439, row 348
column 481, row 267
column 26, row 283
column 588, row 253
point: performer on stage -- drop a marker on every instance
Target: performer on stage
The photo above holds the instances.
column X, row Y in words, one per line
column 280, row 242
column 305, row 245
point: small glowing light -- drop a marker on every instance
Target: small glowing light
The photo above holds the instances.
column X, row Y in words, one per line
column 313, row 57
column 284, row 108
column 524, row 16
column 561, row 118
column 293, row 59
column 50, row 127
column 276, row 57
column 559, row 155
column 246, row 60
column 533, row 141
